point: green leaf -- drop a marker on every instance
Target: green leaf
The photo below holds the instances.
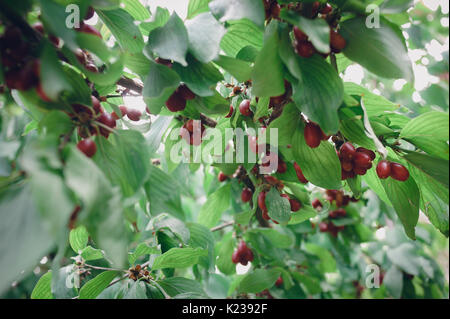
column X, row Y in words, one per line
column 200, row 78
column 224, row 263
column 53, row 78
column 129, row 169
column 122, row 26
column 317, row 30
column 158, row 19
column 319, row 91
column 205, row 34
column 286, row 124
column 202, row 237
column 56, row 122
column 258, row 280
column 393, row 280
column 327, row 262
column 268, row 75
column 353, row 130
column 304, row 214
column 242, row 34
column 95, row 286
column 379, row 50
column 141, row 250
column 278, row 207
column 321, row 165
column 429, row 132
column 179, row 258
column 178, row 285
column 215, row 205
column 355, row 185
column 159, row 85
column 436, row 168
column 136, row 9
column 276, row 236
column 90, row 253
column 226, row 10
column 78, row 238
column 406, row 258
column 404, row 197
column 43, row 288
column 170, row 41
column 239, row 69
column 138, row 290
column 196, row 7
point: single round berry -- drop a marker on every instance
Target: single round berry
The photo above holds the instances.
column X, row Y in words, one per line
column 366, row 151
column 275, row 10
column 299, row 35
column 282, row 167
column 326, row 9
column 165, row 62
column 360, row 170
column 262, row 201
column 305, row 49
column 279, row 282
column 176, row 102
column 185, row 92
column 384, row 169
column 222, row 177
column 244, row 108
column 337, row 42
column 299, row 173
column 347, row 151
column 362, row 160
column 246, row 195
column 295, row 204
column 88, row 147
column 347, row 165
column 96, row 105
column 317, row 204
column 235, row 257
column 399, row 172
column 313, row 135
column 108, row 120
column 323, row 227
column 134, row 115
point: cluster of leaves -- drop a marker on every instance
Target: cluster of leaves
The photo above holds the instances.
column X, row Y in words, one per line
column 125, row 226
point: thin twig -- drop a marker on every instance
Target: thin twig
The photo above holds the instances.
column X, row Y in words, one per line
column 103, row 268
column 224, row 225
column 165, row 294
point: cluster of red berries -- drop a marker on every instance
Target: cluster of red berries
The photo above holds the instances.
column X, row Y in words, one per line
column 177, row 101
column 192, row 132
column 314, row 135
column 355, row 161
column 132, row 114
column 272, row 9
column 329, row 227
column 397, row 171
column 242, row 254
column 305, row 48
column 339, row 198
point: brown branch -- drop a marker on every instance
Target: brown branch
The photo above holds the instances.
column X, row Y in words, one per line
column 224, row 225
column 208, row 121
column 130, row 84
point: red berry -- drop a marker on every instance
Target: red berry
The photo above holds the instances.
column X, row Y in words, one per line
column 337, row 42
column 305, row 49
column 316, row 203
column 88, row 147
column 399, row 172
column 300, row 36
column 384, row 169
column 235, row 257
column 91, row 67
column 39, row 27
column 279, row 281
column 366, row 151
column 262, row 201
column 347, row 165
column 222, row 177
column 244, row 108
column 362, row 160
column 327, row 9
column 185, row 92
column 323, row 227
column 295, row 204
column 246, row 195
column 176, row 102
column 165, row 62
column 134, row 115
column 282, row 167
column 299, row 173
column 231, row 112
column 109, row 121
column 86, row 28
column 360, row 170
column 352, row 174
column 275, row 10
column 96, row 105
column 347, row 151
column 313, row 135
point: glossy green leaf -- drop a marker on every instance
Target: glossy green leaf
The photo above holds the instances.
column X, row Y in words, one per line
column 179, row 258
column 95, row 286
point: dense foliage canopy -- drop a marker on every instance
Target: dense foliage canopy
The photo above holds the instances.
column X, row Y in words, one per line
column 94, row 204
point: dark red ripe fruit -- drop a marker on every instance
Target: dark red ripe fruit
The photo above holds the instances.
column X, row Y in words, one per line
column 347, row 165
column 317, row 203
column 299, row 35
column 176, row 102
column 12, row 37
column 279, row 282
column 165, row 62
column 190, row 126
column 108, row 120
column 90, row 13
column 359, row 170
column 337, row 42
column 282, row 167
column 362, row 160
column 231, row 112
column 323, row 227
column 305, row 49
column 41, row 93
column 265, row 215
column 91, row 67
column 346, row 175
column 38, row 27
column 96, row 105
column 327, row 9
column 244, row 108
column 399, row 172
column 86, row 28
column 262, row 201
column 88, row 147
column 134, row 115
column 185, row 92
column 81, row 56
column 235, row 257
column 123, row 110
column 347, row 151
column 222, row 177
column 366, row 151
column 384, row 169
column 249, row 255
column 275, row 10
column 295, row 205
column 299, row 173
column 246, row 195
column 313, row 135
